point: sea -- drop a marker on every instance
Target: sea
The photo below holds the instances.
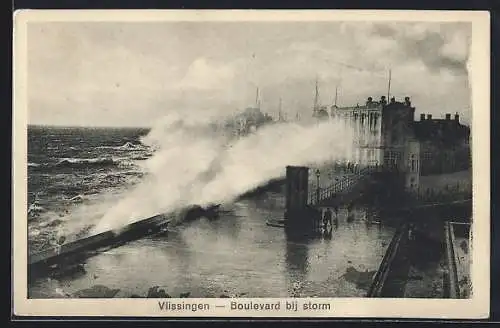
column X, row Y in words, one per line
column 75, row 175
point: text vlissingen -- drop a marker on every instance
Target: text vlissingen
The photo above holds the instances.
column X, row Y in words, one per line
column 183, row 306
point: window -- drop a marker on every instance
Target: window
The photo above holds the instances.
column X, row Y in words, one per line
column 392, row 158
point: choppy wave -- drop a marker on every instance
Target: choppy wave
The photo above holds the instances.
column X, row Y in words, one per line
column 125, row 146
column 142, row 157
column 78, row 198
column 76, row 163
column 35, row 209
column 55, row 222
column 71, row 178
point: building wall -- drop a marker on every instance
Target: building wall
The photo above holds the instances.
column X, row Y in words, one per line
column 366, row 122
column 412, row 158
column 396, row 133
column 438, row 159
column 388, row 134
column 445, row 144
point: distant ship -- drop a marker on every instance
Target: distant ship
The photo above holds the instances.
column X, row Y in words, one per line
column 250, row 119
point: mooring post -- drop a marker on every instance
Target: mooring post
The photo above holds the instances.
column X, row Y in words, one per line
column 297, row 180
column 317, row 186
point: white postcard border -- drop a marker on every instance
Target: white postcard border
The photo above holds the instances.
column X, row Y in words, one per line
column 479, row 70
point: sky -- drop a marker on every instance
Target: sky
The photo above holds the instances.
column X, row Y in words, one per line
column 135, row 73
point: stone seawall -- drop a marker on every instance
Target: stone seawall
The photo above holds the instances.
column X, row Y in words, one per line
column 460, row 181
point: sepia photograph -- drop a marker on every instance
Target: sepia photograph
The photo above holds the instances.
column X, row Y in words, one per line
column 265, row 164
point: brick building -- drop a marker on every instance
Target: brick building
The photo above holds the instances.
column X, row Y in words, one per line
column 387, row 134
column 444, row 143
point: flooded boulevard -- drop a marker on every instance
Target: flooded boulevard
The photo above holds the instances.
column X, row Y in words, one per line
column 237, row 255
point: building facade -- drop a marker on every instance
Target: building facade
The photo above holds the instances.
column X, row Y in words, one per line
column 387, row 134
column 445, row 144
column 382, row 130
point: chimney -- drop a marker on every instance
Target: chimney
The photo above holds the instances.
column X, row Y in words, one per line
column 457, row 117
column 369, row 101
column 448, row 117
column 429, row 116
column 393, row 100
column 383, row 101
column 422, row 117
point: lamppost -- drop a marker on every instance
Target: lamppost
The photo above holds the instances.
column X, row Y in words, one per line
column 317, row 185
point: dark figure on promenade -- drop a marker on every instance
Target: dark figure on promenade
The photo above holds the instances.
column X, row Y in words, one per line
column 411, row 229
column 350, row 215
column 336, row 209
column 328, row 234
column 327, row 219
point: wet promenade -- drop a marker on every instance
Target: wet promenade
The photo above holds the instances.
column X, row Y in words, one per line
column 237, row 255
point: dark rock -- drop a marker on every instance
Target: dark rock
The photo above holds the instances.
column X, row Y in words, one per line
column 97, row 291
column 184, row 295
column 195, row 212
column 362, row 279
column 155, row 292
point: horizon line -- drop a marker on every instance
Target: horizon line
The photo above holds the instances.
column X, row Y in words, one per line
column 89, row 126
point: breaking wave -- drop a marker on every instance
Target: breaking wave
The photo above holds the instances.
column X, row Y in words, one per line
column 76, row 163
column 35, row 209
column 125, row 146
column 78, row 198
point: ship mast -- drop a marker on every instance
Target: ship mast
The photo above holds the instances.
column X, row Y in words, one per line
column 279, row 112
column 336, row 95
column 257, row 100
column 316, row 98
column 389, row 87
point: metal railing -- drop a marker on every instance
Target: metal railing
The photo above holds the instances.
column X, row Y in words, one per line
column 381, row 276
column 453, row 290
column 345, row 184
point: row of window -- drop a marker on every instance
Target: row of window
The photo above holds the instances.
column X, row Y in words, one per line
column 394, row 158
column 372, row 119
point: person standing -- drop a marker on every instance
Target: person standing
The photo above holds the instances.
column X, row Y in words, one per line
column 327, row 218
column 336, row 215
